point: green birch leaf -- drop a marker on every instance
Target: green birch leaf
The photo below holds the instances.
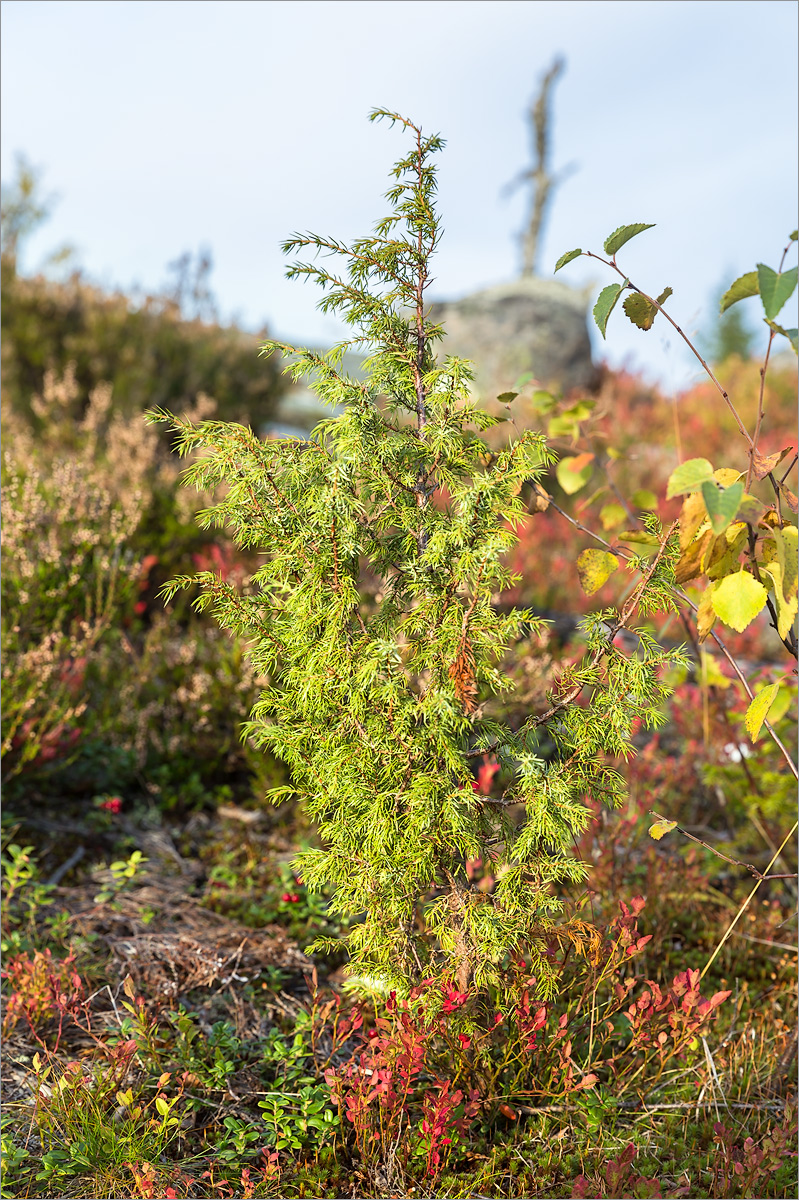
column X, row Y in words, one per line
column 689, row 477
column 738, row 599
column 791, row 334
column 622, row 235
column 568, row 257
column 643, row 498
column 775, row 289
column 745, row 285
column 595, row 567
column 758, row 710
column 542, row 401
column 794, row 235
column 581, row 410
column 563, row 426
column 606, row 302
column 661, row 828
column 721, row 504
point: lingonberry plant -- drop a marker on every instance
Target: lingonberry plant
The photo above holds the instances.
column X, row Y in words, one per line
column 374, row 617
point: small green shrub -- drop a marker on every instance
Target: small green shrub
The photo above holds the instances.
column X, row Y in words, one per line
column 376, row 706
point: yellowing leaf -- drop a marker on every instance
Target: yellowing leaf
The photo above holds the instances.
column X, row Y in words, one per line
column 737, row 600
column 758, row 710
column 640, row 537
column 779, row 566
column 763, row 464
column 751, row 510
column 595, row 568
column 692, row 515
column 580, row 411
column 786, row 698
column 643, row 498
column 539, row 501
column 689, row 477
column 640, row 310
column 727, row 475
column 786, row 608
column 661, row 828
column 711, row 673
column 574, row 473
column 705, row 616
column 787, row 557
column 611, row 515
column 723, row 558
column 789, row 497
column 562, row 426
column 691, row 562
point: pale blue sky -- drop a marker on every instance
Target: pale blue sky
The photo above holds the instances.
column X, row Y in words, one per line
column 167, row 125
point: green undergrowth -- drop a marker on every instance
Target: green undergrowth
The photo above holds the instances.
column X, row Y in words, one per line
column 283, row 1077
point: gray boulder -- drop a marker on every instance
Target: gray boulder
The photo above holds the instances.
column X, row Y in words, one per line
column 531, row 324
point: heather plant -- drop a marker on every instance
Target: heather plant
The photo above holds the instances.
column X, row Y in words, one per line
column 377, row 708
column 67, row 573
column 94, row 691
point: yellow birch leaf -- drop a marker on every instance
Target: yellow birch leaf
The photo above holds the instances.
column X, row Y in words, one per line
column 705, row 616
column 611, row 515
column 726, row 551
column 661, row 828
column 726, row 476
column 595, row 567
column 690, row 564
column 786, row 609
column 737, row 599
column 692, row 514
column 574, row 473
column 786, row 540
column 758, row 710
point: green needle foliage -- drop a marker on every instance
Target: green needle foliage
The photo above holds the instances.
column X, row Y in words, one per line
column 374, row 618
